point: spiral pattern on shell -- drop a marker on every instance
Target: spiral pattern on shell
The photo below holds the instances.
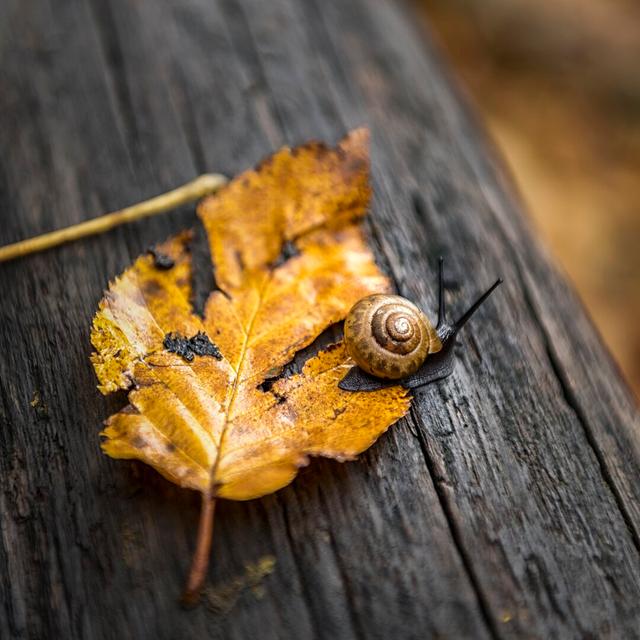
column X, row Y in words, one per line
column 388, row 336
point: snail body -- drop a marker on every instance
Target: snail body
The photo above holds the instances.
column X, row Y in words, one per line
column 388, row 336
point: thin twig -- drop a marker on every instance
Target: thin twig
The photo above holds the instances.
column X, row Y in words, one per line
column 200, row 562
column 203, row 185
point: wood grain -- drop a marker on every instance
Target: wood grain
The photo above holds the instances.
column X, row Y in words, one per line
column 506, row 506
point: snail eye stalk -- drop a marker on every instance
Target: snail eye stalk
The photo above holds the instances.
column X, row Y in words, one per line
column 441, row 309
column 475, row 306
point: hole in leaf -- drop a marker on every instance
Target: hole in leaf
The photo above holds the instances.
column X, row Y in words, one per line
column 289, row 250
column 161, row 260
column 203, row 279
column 326, row 340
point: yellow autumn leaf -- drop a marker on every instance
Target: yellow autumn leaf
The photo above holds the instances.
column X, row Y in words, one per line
column 198, row 411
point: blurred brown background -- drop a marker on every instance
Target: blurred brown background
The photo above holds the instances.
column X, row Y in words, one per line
column 558, row 84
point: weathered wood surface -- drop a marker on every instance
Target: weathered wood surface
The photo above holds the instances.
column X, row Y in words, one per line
column 506, row 506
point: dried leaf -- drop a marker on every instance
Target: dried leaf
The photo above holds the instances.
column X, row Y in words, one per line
column 204, row 421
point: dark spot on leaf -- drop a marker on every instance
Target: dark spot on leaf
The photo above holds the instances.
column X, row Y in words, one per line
column 170, row 447
column 289, row 250
column 138, row 442
column 338, row 411
column 151, row 288
column 188, row 348
column 202, row 346
column 239, row 259
column 267, row 384
column 161, row 260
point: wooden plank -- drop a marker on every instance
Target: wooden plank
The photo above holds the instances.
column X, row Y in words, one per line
column 505, row 506
column 434, row 152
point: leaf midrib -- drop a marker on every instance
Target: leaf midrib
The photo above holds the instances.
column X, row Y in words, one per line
column 238, row 377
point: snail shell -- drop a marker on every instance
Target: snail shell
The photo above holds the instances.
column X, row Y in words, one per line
column 388, row 336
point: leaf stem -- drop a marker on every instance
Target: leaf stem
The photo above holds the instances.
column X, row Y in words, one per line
column 200, row 562
column 194, row 190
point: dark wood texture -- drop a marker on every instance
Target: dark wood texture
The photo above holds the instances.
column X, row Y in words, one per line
column 506, row 506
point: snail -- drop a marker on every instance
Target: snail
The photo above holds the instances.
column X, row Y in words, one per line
column 392, row 341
